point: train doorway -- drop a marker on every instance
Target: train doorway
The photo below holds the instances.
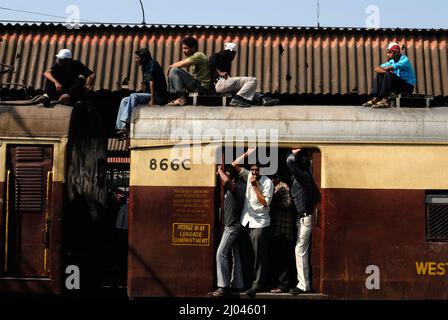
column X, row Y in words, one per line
column 27, row 212
column 283, row 231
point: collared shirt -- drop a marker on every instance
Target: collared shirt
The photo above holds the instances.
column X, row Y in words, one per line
column 282, row 217
column 153, row 72
column 254, row 213
column 403, row 69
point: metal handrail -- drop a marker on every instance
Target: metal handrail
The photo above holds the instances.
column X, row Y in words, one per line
column 5, row 268
column 46, row 238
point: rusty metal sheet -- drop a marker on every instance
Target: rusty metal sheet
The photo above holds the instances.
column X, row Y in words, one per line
column 284, row 59
column 385, row 228
column 172, row 243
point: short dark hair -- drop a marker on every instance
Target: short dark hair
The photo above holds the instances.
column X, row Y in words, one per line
column 190, row 42
column 144, row 54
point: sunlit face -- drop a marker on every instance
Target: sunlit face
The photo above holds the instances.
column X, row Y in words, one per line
column 392, row 54
column 255, row 170
column 188, row 51
column 389, row 54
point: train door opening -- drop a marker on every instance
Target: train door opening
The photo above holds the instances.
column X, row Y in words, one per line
column 283, row 231
column 27, row 213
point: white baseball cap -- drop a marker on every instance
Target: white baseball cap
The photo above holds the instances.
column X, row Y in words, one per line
column 230, row 46
column 392, row 44
column 64, row 54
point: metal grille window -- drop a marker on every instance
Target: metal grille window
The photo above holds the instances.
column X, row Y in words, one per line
column 437, row 217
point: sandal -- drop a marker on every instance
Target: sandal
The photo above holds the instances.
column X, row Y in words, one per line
column 370, row 103
column 382, row 104
column 178, row 102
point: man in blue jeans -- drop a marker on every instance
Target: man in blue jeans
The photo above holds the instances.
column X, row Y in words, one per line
column 227, row 275
column 155, row 91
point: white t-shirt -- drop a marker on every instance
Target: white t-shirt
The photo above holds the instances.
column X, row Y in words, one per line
column 254, row 213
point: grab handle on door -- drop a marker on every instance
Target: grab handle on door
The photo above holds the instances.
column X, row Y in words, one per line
column 5, row 267
column 47, row 226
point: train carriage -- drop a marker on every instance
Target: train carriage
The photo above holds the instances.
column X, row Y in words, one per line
column 380, row 231
column 52, row 188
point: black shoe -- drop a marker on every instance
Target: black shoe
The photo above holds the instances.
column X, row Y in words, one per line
column 252, row 292
column 220, row 292
column 268, row 101
column 41, row 99
column 295, row 291
column 238, row 101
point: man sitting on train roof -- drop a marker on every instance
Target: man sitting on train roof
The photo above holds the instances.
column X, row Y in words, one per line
column 396, row 75
column 67, row 78
column 197, row 79
column 244, row 87
column 155, row 91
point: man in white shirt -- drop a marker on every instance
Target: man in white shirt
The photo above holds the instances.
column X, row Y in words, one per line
column 255, row 217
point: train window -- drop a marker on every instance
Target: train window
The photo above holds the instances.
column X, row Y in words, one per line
column 437, row 217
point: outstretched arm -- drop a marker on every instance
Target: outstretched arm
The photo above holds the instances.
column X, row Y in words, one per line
column 237, row 163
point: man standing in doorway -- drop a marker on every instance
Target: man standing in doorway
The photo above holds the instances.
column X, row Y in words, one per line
column 255, row 218
column 304, row 195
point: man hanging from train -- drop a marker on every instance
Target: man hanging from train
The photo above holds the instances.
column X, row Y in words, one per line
column 68, row 79
column 244, row 88
column 304, row 193
column 282, row 235
column 197, row 79
column 230, row 276
column 155, row 92
column 255, row 217
column 396, row 75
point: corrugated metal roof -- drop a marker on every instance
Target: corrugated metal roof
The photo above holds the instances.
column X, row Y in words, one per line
column 119, row 160
column 284, row 59
column 116, row 145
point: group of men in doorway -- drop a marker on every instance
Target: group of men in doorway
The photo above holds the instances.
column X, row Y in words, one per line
column 264, row 208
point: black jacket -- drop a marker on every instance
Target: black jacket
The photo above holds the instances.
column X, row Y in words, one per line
column 222, row 60
column 304, row 192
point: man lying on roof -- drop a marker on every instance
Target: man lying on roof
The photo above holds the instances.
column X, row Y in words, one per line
column 67, row 79
column 244, row 88
column 396, row 75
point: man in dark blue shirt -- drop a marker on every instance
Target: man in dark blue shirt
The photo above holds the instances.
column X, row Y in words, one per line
column 304, row 193
column 155, row 91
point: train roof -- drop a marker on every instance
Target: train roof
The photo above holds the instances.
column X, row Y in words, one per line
column 35, row 121
column 55, row 122
column 292, row 124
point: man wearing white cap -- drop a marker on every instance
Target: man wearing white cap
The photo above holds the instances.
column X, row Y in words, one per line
column 396, row 75
column 244, row 87
column 67, row 78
